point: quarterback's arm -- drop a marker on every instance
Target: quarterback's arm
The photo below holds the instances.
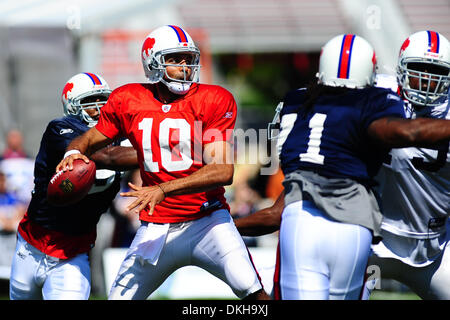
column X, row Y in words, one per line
column 86, row 144
column 262, row 222
column 115, row 158
column 399, row 133
column 218, row 171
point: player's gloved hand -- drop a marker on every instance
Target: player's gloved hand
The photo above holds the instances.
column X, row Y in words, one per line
column 145, row 196
column 67, row 162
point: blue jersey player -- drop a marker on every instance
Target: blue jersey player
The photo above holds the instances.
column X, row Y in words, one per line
column 51, row 258
column 333, row 139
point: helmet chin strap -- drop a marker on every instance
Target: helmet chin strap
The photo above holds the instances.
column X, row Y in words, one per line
column 177, row 87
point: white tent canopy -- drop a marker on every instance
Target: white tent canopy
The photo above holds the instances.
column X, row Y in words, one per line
column 85, row 16
column 232, row 25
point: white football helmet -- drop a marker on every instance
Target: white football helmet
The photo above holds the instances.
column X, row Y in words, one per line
column 80, row 87
column 168, row 40
column 430, row 51
column 348, row 61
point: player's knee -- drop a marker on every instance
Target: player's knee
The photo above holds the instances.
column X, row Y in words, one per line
column 242, row 276
column 22, row 291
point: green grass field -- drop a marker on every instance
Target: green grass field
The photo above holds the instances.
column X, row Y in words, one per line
column 386, row 295
column 376, row 295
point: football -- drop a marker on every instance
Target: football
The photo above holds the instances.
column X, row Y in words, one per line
column 69, row 187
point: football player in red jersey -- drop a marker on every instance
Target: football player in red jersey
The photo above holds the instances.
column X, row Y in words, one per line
column 182, row 131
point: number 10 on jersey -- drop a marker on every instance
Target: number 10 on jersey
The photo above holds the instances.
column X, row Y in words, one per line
column 164, row 144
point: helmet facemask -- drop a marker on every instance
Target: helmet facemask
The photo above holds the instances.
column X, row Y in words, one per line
column 423, row 69
column 425, row 74
column 161, row 60
column 80, row 104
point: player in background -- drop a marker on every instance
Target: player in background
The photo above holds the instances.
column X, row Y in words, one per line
column 333, row 138
column 415, row 182
column 182, row 131
column 51, row 258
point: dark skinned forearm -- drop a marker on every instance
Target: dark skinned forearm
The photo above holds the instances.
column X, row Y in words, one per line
column 262, row 222
column 400, row 133
column 89, row 142
column 116, row 158
column 259, row 223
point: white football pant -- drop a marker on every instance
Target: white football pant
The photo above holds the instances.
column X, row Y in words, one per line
column 36, row 276
column 320, row 258
column 211, row 243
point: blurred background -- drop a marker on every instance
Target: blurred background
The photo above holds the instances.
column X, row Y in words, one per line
column 257, row 49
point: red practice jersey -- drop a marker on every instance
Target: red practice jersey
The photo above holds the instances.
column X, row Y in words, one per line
column 170, row 138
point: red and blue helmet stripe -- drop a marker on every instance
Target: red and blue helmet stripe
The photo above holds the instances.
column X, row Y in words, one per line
column 96, row 80
column 345, row 56
column 433, row 41
column 180, row 33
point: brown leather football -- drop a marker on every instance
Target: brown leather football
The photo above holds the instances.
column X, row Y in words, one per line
column 70, row 186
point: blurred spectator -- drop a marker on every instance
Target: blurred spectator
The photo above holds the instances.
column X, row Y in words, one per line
column 12, row 211
column 116, row 229
column 127, row 223
column 11, row 208
column 251, row 192
column 244, row 202
column 17, row 166
column 243, row 195
column 19, row 173
column 274, row 185
column 14, row 145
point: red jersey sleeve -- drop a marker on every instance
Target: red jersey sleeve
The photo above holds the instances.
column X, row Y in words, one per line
column 220, row 117
column 109, row 122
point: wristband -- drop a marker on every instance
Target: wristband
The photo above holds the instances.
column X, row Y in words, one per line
column 73, row 151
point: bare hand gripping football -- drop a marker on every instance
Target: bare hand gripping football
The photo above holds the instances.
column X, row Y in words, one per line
column 70, row 186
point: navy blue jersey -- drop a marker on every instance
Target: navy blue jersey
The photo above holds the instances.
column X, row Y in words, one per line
column 331, row 139
column 79, row 218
